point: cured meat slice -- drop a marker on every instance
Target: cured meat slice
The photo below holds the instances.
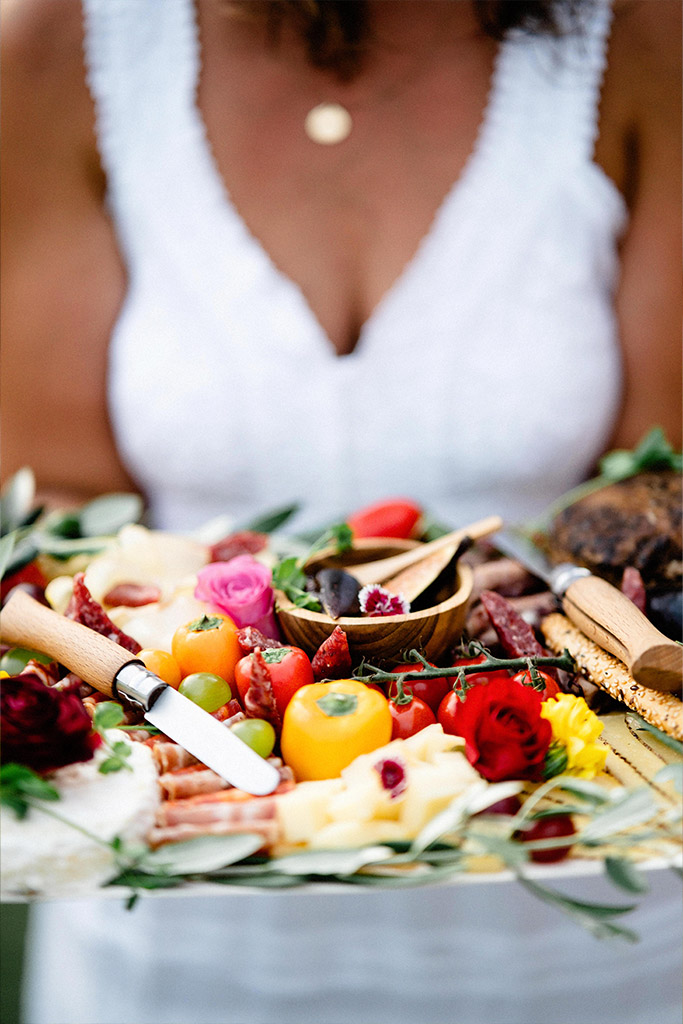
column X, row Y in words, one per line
column 332, row 660
column 132, row 595
column 259, row 700
column 268, row 828
column 244, row 542
column 250, row 638
column 85, row 609
column 169, row 756
column 516, row 636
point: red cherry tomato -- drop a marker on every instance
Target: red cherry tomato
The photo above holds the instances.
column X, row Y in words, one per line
column 396, row 517
column 551, row 687
column 289, row 667
column 481, row 677
column 431, row 691
column 446, row 713
column 549, row 828
column 407, row 719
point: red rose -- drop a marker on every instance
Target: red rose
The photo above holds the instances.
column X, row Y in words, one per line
column 505, row 736
column 43, row 728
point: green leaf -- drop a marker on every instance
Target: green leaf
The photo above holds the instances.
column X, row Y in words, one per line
column 330, row 862
column 592, row 916
column 642, row 726
column 108, row 714
column 625, row 875
column 271, row 521
column 631, row 808
column 205, row 853
column 16, row 500
column 20, row 785
column 671, row 773
column 590, row 791
column 6, row 547
column 107, row 514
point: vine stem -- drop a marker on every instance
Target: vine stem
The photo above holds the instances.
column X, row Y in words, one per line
column 371, row 673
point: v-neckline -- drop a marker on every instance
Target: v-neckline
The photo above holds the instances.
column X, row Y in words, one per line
column 453, row 198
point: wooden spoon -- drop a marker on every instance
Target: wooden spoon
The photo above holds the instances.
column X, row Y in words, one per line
column 385, row 568
column 412, row 581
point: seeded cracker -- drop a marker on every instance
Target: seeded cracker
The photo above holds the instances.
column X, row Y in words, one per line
column 663, row 710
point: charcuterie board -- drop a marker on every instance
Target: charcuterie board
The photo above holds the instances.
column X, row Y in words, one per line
column 105, row 807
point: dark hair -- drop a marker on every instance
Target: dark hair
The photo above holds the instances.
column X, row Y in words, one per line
column 337, row 33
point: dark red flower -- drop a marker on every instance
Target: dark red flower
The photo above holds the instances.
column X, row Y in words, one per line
column 505, row 736
column 41, row 727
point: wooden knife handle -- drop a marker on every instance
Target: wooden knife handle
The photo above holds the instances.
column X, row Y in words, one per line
column 94, row 658
column 609, row 618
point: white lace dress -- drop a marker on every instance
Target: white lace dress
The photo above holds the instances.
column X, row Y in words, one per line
column 485, row 381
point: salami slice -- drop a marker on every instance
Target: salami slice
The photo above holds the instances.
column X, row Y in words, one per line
column 332, row 660
column 250, row 638
column 85, row 609
column 245, row 542
column 259, row 700
column 516, row 636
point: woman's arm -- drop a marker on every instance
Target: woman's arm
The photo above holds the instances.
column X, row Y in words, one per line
column 62, row 279
column 642, row 109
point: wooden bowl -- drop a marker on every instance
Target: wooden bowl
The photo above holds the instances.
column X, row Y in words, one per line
column 383, row 639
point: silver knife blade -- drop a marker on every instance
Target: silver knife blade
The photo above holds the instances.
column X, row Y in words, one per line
column 520, row 547
column 197, row 731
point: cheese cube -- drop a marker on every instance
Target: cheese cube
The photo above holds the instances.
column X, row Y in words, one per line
column 303, row 810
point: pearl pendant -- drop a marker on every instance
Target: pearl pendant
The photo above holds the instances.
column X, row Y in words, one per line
column 328, row 123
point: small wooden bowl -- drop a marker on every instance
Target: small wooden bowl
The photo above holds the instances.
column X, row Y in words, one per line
column 384, row 639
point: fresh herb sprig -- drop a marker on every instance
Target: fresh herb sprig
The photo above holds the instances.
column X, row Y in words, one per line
column 289, row 575
column 110, row 715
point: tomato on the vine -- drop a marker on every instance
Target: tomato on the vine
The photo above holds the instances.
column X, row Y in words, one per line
column 481, row 677
column 446, row 713
column 431, row 691
column 395, row 517
column 289, row 667
column 207, row 644
column 409, row 718
column 551, row 689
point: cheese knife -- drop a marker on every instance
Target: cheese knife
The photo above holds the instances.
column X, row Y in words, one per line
column 116, row 672
column 604, row 614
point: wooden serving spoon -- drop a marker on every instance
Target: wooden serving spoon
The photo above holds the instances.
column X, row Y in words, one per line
column 387, row 568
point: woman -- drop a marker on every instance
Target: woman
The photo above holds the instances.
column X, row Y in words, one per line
column 468, row 295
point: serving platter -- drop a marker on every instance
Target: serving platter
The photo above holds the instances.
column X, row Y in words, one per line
column 639, row 787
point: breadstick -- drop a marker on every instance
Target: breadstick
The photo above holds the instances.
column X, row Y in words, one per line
column 663, row 710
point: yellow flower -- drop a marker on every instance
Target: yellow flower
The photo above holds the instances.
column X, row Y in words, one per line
column 577, row 728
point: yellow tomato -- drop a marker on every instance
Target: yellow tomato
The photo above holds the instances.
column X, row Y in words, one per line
column 207, row 644
column 327, row 725
column 162, row 664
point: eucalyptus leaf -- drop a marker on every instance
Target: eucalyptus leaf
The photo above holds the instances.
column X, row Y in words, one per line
column 205, row 853
column 108, row 513
column 631, row 808
column 65, row 547
column 641, row 725
column 17, row 499
column 258, row 881
column 592, row 916
column 6, row 548
column 590, row 791
column 428, row 876
column 625, row 875
column 453, row 816
column 271, row 521
column 330, row 862
column 24, row 551
column 671, row 773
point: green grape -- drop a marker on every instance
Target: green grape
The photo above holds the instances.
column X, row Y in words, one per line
column 257, row 734
column 207, row 690
column 16, row 659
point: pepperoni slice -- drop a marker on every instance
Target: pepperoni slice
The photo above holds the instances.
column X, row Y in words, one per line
column 332, row 660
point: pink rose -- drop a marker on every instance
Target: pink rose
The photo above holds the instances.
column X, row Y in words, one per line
column 241, row 588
